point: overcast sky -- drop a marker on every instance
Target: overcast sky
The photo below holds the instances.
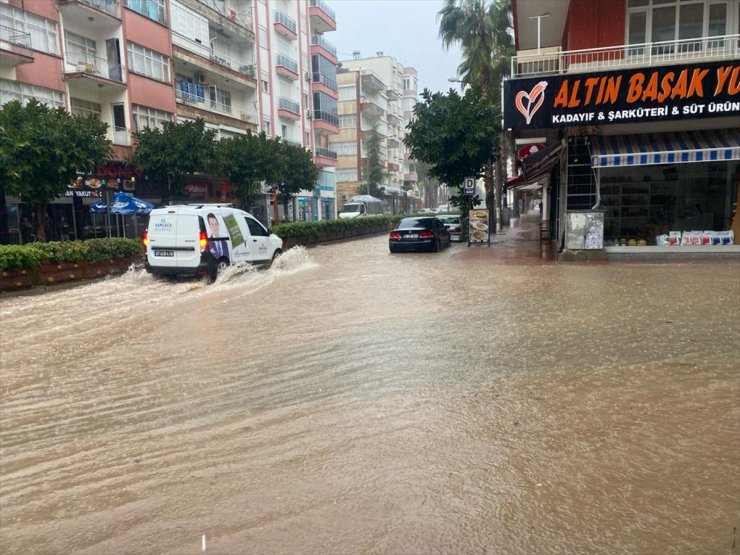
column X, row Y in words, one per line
column 405, row 29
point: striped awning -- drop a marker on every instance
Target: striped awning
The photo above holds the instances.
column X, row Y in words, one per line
column 665, row 148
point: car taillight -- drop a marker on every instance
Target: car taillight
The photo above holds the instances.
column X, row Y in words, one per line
column 203, row 242
column 145, row 238
column 395, row 235
column 426, row 235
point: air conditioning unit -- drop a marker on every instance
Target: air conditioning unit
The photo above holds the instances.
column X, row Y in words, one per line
column 200, row 77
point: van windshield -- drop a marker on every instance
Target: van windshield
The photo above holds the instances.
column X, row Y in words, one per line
column 352, row 208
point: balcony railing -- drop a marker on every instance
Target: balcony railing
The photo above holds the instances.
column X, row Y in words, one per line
column 326, row 153
column 323, row 6
column 83, row 62
column 627, row 55
column 111, row 7
column 148, row 8
column 326, row 116
column 318, row 40
column 289, row 105
column 18, row 38
column 324, row 80
column 291, row 142
column 285, row 20
column 288, row 63
column 243, row 18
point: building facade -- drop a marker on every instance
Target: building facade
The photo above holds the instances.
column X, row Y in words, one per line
column 633, row 108
column 240, row 65
column 376, row 95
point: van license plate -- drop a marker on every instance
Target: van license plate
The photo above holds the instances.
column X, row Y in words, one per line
column 164, row 253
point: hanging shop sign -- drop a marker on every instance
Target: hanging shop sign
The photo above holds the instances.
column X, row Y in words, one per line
column 632, row 95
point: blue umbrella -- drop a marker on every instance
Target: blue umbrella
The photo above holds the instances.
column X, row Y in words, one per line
column 125, row 203
column 98, row 207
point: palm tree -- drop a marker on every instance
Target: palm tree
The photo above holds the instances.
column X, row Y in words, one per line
column 483, row 29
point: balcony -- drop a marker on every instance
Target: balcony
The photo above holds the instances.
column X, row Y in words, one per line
column 93, row 72
column 149, row 9
column 285, row 25
column 324, row 47
column 554, row 61
column 371, row 83
column 289, row 109
column 323, row 18
column 291, row 142
column 286, row 66
column 15, row 47
column 242, row 18
column 393, row 167
column 82, row 9
column 325, row 157
column 325, row 122
column 192, row 55
column 325, row 84
column 371, row 110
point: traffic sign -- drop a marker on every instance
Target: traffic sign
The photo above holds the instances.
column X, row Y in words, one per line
column 469, row 185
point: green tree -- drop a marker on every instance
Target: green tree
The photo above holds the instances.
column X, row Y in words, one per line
column 43, row 148
column 374, row 171
column 483, row 29
column 168, row 154
column 296, row 172
column 247, row 161
column 454, row 135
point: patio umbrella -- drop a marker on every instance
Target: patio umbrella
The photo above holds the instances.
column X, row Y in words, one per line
column 127, row 204
column 98, row 207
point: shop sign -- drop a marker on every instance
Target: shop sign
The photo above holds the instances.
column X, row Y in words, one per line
column 526, row 150
column 478, row 226
column 85, row 187
column 197, row 190
column 626, row 96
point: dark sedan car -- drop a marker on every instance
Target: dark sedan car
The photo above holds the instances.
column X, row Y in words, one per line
column 419, row 234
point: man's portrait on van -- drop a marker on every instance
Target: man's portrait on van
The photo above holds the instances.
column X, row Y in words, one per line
column 218, row 246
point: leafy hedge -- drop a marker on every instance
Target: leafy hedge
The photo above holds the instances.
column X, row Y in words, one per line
column 294, row 230
column 31, row 256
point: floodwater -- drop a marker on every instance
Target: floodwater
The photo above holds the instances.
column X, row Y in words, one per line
column 352, row 401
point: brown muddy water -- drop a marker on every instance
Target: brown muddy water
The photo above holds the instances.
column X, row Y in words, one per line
column 352, row 401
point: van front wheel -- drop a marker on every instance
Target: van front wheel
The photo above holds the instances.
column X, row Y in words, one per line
column 275, row 256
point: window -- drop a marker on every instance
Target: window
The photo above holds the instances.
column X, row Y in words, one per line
column 85, row 108
column 348, row 122
column 79, row 49
column 267, row 128
column 256, row 229
column 348, row 148
column 148, row 62
column 220, row 99
column 149, row 117
column 265, row 86
column 346, row 175
column 347, row 93
column 650, row 21
column 15, row 90
column 43, row 31
column 152, row 9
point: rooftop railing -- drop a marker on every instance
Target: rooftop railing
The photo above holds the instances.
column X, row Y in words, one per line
column 549, row 61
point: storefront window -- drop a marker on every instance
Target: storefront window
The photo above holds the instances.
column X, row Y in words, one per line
column 644, row 202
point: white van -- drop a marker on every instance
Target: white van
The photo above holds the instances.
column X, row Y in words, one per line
column 202, row 239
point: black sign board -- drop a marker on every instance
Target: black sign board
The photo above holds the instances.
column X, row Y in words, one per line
column 658, row 93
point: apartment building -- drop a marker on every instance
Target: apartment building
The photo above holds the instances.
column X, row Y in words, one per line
column 626, row 115
column 240, row 65
column 375, row 94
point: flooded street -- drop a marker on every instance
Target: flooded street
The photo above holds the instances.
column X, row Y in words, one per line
column 352, row 401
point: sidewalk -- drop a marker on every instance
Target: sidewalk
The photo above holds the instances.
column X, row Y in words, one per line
column 517, row 244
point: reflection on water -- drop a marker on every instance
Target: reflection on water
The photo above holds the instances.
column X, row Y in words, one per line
column 349, row 401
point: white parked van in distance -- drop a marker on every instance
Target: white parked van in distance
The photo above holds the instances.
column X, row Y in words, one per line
column 361, row 205
column 203, row 239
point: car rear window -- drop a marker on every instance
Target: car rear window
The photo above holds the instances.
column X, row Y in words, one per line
column 414, row 222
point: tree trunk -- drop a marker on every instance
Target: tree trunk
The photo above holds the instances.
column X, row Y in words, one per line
column 41, row 223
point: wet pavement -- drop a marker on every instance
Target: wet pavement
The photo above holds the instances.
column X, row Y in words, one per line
column 476, row 400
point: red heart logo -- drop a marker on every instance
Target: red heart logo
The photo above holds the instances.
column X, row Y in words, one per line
column 534, row 99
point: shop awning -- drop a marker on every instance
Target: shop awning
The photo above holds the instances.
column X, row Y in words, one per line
column 536, row 166
column 665, row 148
